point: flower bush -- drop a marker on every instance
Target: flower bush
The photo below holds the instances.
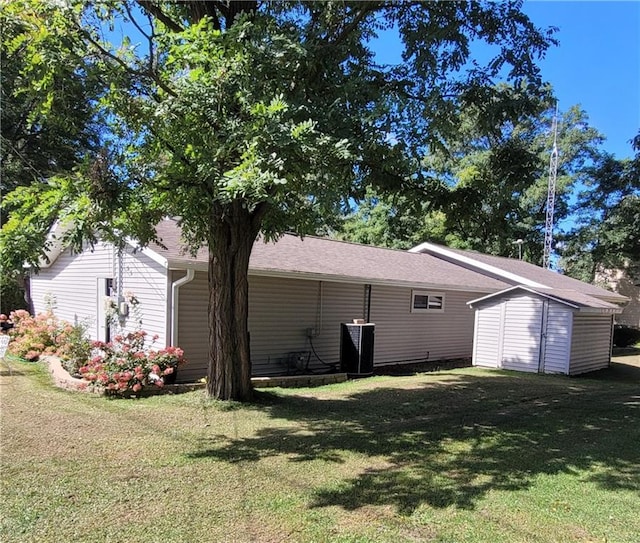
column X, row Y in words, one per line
column 45, row 334
column 32, row 337
column 123, row 366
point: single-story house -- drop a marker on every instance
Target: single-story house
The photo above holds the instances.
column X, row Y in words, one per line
column 300, row 291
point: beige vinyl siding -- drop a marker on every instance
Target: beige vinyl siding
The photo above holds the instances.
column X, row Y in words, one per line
column 147, row 280
column 558, row 338
column 522, row 332
column 281, row 311
column 488, row 336
column 403, row 336
column 72, row 282
column 193, row 327
column 591, row 343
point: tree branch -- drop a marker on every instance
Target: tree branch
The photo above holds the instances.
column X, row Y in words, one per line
column 127, row 68
column 366, row 9
column 154, row 10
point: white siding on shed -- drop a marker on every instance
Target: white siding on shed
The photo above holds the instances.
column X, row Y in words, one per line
column 558, row 338
column 487, row 347
column 591, row 343
column 71, row 284
column 522, row 332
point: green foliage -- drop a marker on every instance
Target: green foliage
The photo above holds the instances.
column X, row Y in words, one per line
column 607, row 232
column 48, row 92
column 74, row 346
column 625, row 336
column 489, row 187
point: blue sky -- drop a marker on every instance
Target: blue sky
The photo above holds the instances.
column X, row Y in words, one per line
column 597, row 63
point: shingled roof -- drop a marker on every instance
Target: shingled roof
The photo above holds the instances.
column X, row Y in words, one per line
column 577, row 300
column 331, row 260
column 517, row 271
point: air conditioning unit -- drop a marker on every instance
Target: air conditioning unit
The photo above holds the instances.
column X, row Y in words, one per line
column 356, row 349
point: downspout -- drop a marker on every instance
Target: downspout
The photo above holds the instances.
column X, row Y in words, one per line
column 175, row 288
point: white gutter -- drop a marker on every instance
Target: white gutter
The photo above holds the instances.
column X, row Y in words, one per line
column 175, row 288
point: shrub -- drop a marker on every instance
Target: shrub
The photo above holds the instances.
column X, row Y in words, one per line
column 625, row 336
column 45, row 334
column 123, row 367
column 31, row 336
column 73, row 346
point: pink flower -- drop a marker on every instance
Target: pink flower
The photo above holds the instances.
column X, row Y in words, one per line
column 137, row 387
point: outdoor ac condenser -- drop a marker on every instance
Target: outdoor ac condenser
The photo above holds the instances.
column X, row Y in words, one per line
column 356, row 349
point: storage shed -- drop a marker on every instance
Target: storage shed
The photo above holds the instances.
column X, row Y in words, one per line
column 543, row 331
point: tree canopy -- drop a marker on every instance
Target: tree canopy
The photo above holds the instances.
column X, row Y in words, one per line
column 244, row 117
column 489, row 186
column 606, row 234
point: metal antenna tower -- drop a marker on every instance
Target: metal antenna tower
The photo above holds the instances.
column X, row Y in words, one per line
column 551, row 194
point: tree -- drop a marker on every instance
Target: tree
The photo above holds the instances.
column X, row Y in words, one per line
column 49, row 127
column 244, row 117
column 489, row 185
column 607, row 230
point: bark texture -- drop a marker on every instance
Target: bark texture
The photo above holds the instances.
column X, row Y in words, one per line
column 233, row 232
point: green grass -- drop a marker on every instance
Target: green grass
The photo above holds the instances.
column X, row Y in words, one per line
column 457, row 456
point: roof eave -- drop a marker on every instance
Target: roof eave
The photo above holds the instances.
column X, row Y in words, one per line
column 197, row 265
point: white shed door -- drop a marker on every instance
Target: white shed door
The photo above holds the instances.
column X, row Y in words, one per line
column 487, row 337
column 522, row 334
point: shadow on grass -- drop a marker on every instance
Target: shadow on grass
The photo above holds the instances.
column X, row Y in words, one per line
column 450, row 441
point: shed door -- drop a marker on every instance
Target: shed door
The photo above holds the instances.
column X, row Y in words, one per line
column 487, row 337
column 522, row 327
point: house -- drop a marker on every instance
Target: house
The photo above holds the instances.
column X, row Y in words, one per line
column 547, row 322
column 626, row 281
column 300, row 291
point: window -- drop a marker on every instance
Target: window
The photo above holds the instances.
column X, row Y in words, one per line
column 422, row 302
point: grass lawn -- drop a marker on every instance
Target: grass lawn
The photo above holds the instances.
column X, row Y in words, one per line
column 457, row 456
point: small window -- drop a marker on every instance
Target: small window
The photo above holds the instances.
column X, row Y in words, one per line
column 423, row 302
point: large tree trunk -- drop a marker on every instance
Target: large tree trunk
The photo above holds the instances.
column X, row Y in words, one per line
column 233, row 231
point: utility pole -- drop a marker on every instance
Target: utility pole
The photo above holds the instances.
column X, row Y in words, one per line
column 551, row 194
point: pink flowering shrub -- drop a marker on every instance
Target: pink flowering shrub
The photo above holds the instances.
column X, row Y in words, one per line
column 31, row 336
column 45, row 334
column 123, row 366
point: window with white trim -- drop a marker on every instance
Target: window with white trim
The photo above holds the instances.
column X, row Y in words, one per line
column 427, row 302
